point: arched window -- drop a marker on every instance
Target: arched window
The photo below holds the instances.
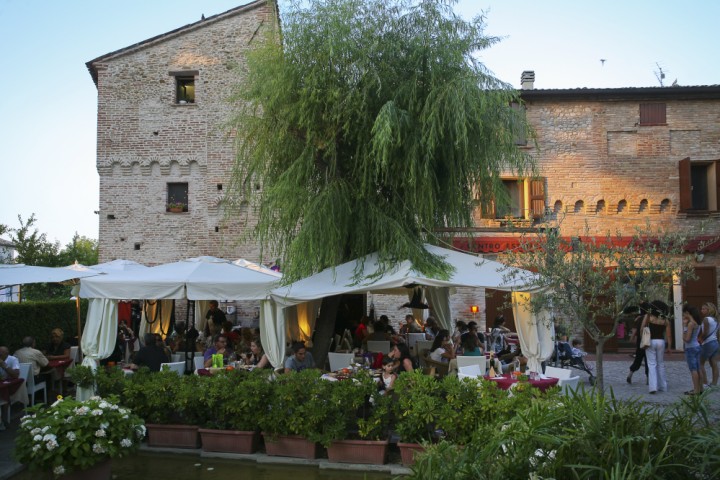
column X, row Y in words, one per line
column 600, row 206
column 622, row 206
column 665, row 205
column 579, row 206
column 643, row 206
column 558, row 207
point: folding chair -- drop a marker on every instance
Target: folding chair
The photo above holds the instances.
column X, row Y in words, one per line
column 470, row 371
column 382, row 346
column 465, row 361
column 177, row 367
column 561, row 373
column 339, row 361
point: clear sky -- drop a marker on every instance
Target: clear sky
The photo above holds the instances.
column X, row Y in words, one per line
column 48, row 111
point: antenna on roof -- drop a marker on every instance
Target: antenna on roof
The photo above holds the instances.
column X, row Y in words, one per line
column 659, row 74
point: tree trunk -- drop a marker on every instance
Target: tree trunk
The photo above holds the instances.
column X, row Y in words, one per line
column 599, row 377
column 325, row 329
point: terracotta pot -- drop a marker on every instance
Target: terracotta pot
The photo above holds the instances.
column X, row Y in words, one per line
column 99, row 471
column 408, row 452
column 358, row 451
column 290, row 446
column 177, row 436
column 229, row 441
column 175, row 209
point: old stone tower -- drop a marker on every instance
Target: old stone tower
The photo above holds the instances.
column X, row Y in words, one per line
column 163, row 154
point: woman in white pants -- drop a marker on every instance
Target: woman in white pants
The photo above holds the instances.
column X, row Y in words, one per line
column 660, row 335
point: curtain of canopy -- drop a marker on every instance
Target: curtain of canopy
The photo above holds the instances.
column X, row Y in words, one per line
column 535, row 332
column 99, row 338
column 201, row 309
column 300, row 321
column 272, row 332
column 156, row 317
column 440, row 299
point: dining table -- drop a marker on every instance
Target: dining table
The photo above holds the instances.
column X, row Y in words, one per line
column 13, row 390
column 58, row 367
column 506, row 381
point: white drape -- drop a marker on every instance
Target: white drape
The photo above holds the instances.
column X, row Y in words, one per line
column 99, row 336
column 201, row 308
column 535, row 332
column 272, row 332
column 300, row 321
column 440, row 299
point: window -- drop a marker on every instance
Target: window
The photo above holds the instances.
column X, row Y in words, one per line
column 652, row 114
column 184, row 86
column 519, row 198
column 177, row 197
column 518, row 123
column 699, row 185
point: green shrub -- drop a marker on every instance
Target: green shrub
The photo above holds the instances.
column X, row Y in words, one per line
column 236, row 399
column 37, row 319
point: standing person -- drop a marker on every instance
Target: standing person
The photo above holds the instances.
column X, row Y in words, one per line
column 636, row 336
column 215, row 317
column 660, row 336
column 709, row 349
column 691, row 327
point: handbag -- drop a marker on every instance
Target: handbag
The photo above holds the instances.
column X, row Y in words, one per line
column 645, row 340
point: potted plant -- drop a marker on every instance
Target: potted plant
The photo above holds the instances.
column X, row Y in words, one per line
column 236, row 399
column 420, row 399
column 176, row 207
column 72, row 436
column 295, row 412
column 356, row 425
column 170, row 405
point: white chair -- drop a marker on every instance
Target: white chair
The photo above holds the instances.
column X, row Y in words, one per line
column 561, row 373
column 177, row 357
column 177, row 367
column 32, row 387
column 467, row 360
column 413, row 338
column 382, row 346
column 470, row 371
column 340, row 360
column 420, row 347
column 199, row 362
column 568, row 384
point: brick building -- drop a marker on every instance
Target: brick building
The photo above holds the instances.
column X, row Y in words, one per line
column 161, row 140
column 613, row 158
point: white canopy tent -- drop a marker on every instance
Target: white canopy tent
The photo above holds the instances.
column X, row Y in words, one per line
column 201, row 278
column 469, row 271
column 20, row 274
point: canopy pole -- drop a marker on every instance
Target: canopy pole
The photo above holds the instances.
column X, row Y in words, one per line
column 77, row 309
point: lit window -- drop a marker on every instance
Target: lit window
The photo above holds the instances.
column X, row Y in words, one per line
column 177, row 197
column 185, row 86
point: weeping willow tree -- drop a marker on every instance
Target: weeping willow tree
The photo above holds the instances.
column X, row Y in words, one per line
column 364, row 125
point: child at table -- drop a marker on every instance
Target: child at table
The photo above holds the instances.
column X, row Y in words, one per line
column 388, row 377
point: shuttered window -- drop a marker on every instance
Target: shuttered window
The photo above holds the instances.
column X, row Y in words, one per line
column 652, row 114
column 699, row 186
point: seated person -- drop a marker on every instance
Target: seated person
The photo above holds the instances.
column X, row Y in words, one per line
column 219, row 347
column 257, row 356
column 29, row 354
column 388, row 377
column 577, row 351
column 498, row 343
column 460, row 330
column 117, row 355
column 9, row 365
column 442, row 349
column 379, row 333
column 233, row 336
column 300, row 359
column 410, row 325
column 161, row 343
column 471, row 346
column 150, row 355
column 431, row 328
column 386, row 323
column 474, row 338
column 400, row 352
column 58, row 348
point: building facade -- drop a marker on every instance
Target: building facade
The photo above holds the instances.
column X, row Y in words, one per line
column 164, row 154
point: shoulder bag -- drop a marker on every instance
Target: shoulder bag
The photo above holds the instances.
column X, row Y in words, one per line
column 645, row 339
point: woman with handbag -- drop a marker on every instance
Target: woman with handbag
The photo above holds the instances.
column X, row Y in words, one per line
column 710, row 347
column 635, row 337
column 660, row 337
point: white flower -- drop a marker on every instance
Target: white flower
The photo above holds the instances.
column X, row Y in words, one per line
column 122, row 411
column 140, row 431
column 51, row 445
column 59, row 470
column 95, row 398
column 45, row 428
column 100, row 433
column 97, row 448
column 104, row 425
column 48, row 437
column 35, row 431
column 82, row 410
column 126, row 442
column 114, row 407
column 104, row 404
column 37, row 438
column 71, row 436
column 69, row 420
column 97, row 412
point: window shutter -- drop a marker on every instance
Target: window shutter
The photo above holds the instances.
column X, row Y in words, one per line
column 717, row 185
column 653, row 114
column 537, row 197
column 685, row 184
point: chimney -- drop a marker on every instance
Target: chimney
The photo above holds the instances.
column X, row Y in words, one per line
column 527, row 80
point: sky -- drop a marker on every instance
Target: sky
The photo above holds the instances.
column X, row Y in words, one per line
column 48, row 112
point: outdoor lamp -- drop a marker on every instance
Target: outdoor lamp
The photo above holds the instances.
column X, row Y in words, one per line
column 474, row 309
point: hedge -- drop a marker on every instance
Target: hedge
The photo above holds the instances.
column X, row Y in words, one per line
column 37, row 319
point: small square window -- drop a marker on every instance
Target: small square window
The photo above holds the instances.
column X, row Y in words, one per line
column 185, row 89
column 177, row 197
column 653, row 114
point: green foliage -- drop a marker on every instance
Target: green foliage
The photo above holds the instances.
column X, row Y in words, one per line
column 71, row 435
column 235, row 400
column 81, row 376
column 110, row 381
column 367, row 125
column 584, row 436
column 80, row 249
column 37, row 319
column 152, row 396
column 418, row 408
